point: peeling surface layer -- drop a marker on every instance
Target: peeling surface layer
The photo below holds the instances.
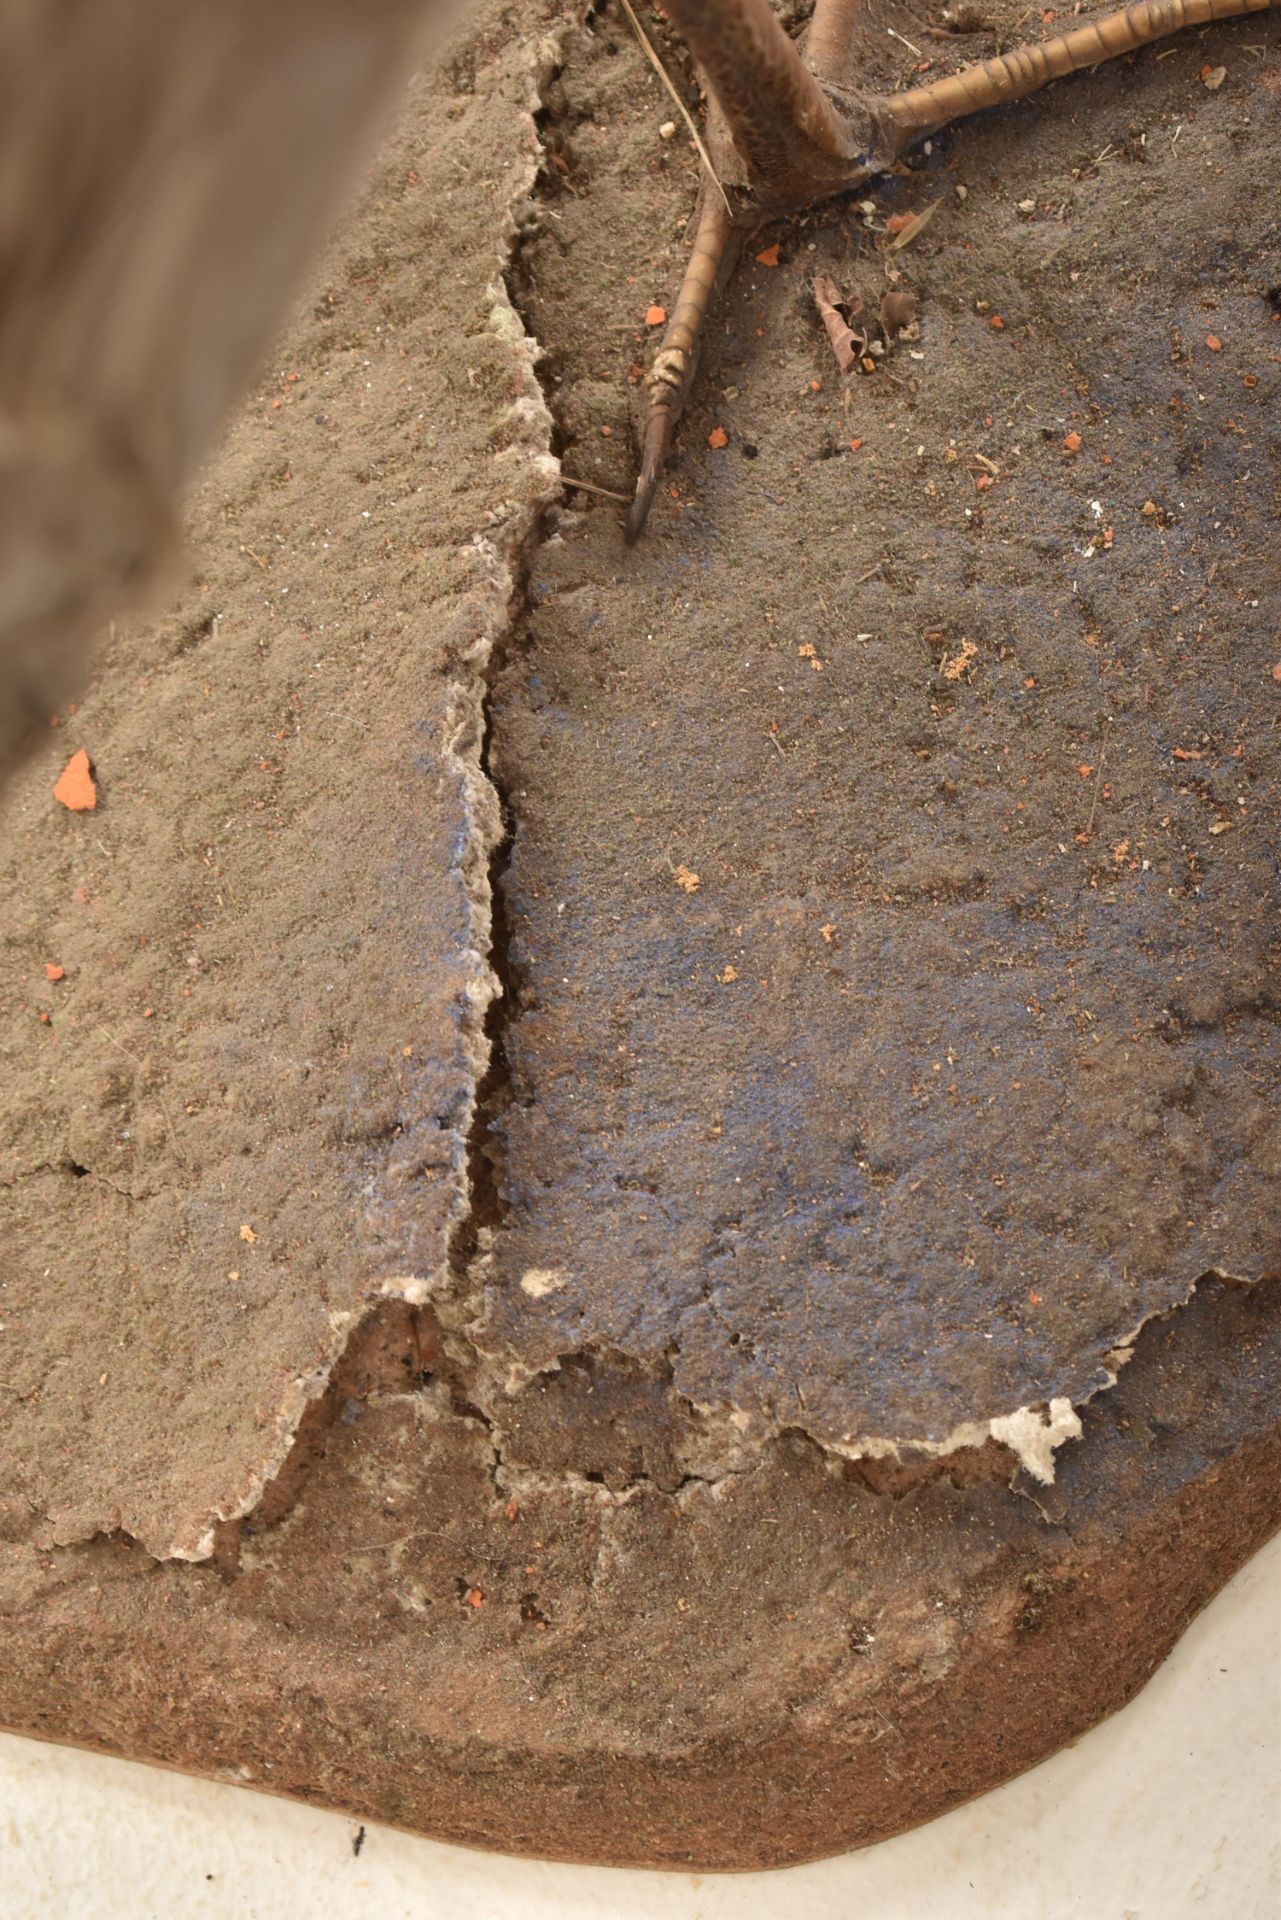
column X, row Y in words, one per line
column 856, row 1077
column 199, row 1152
column 894, row 893
column 796, row 1659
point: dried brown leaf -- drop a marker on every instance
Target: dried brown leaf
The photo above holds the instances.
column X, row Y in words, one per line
column 846, row 344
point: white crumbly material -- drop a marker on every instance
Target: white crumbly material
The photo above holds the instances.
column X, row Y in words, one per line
column 538, row 1282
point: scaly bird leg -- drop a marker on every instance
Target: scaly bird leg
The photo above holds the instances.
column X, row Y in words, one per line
column 829, row 36
column 798, row 144
column 1012, row 76
column 716, row 246
column 770, row 114
column 794, row 142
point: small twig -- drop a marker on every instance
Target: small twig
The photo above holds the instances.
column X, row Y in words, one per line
column 1098, row 776
column 387, row 1546
column 681, row 108
column 589, row 486
column 893, row 36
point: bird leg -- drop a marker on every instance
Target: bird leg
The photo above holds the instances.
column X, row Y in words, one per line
column 794, row 127
column 716, row 247
column 829, row 37
column 771, row 130
column 1012, row 76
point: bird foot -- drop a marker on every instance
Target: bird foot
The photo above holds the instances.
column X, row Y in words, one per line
column 798, row 129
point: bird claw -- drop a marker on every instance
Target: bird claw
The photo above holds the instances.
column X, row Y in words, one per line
column 798, row 143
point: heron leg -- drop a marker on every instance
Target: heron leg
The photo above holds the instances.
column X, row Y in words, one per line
column 801, row 130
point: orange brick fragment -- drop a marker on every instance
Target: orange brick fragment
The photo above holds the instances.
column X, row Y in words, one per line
column 75, row 788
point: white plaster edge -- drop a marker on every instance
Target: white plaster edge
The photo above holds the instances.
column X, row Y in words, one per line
column 1032, row 1433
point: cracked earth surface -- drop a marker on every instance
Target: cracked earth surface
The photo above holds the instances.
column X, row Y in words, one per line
column 702, row 1169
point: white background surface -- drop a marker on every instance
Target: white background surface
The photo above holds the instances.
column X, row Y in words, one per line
column 1171, row 1809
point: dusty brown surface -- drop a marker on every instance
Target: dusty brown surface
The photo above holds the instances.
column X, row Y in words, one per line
column 962, row 1057
column 781, row 1664
column 274, row 926
column 956, row 1064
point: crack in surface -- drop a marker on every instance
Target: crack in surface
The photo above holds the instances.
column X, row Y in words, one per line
column 419, row 1329
column 412, row 1320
